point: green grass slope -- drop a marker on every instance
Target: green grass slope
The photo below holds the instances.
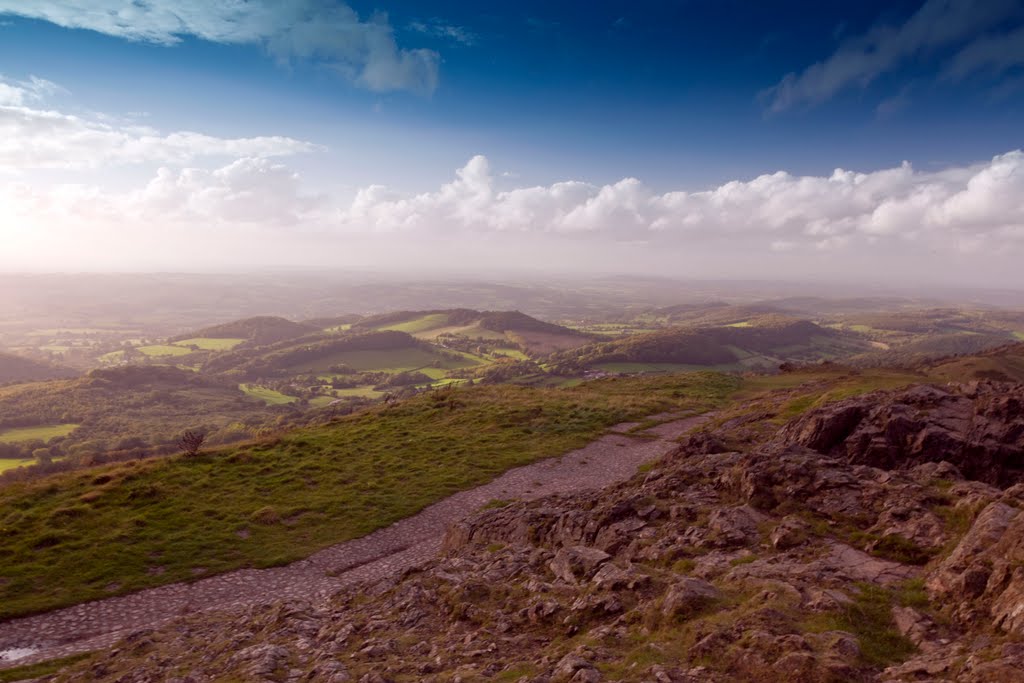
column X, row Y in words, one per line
column 91, row 534
column 259, row 331
column 767, row 340
column 15, row 368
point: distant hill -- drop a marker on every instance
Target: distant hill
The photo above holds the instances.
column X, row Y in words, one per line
column 1004, row 364
column 15, row 368
column 258, row 331
column 533, row 335
column 311, row 353
column 764, row 341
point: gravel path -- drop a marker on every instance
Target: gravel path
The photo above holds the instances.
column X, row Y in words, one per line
column 410, row 542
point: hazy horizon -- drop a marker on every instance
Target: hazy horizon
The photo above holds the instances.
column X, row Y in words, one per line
column 878, row 144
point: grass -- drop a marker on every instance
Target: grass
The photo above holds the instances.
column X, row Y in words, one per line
column 268, row 396
column 363, row 392
column 391, row 360
column 43, row 433
column 210, row 343
column 158, row 350
column 93, row 533
column 869, row 617
column 627, row 367
column 11, row 464
column 33, row 671
column 420, row 324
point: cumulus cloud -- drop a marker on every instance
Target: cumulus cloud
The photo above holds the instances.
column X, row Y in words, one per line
column 31, row 137
column 18, row 93
column 781, row 210
column 365, row 52
column 846, row 220
column 859, row 60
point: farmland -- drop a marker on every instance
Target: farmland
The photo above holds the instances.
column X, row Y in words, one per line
column 159, row 350
column 268, row 396
column 43, row 433
column 210, row 343
column 138, row 524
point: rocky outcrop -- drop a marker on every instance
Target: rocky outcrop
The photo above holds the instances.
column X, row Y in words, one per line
column 877, row 539
column 977, row 427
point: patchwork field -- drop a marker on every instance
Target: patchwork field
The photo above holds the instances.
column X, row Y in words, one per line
column 268, row 396
column 421, row 324
column 387, row 360
column 43, row 433
column 158, row 350
column 210, row 343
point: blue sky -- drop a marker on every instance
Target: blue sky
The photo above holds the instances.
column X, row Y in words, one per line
column 619, row 127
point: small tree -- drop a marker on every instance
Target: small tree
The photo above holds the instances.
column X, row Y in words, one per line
column 191, row 442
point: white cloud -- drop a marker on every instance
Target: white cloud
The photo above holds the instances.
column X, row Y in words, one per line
column 438, row 28
column 845, row 223
column 995, row 53
column 31, row 137
column 781, row 210
column 247, row 191
column 365, row 52
column 18, row 93
column 861, row 59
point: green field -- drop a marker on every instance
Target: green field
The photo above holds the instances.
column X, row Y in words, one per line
column 421, row 324
column 9, row 464
column 43, row 433
column 514, row 354
column 661, row 367
column 210, row 343
column 268, row 396
column 391, row 360
column 93, row 533
column 157, row 350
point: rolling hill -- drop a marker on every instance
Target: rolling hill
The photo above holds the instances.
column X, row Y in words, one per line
column 762, row 342
column 518, row 329
column 258, row 331
column 14, row 368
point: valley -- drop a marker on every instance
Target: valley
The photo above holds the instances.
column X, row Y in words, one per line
column 322, row 434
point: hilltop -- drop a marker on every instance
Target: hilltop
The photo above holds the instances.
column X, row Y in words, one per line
column 762, row 342
column 257, row 331
column 14, row 368
column 804, row 534
column 525, row 332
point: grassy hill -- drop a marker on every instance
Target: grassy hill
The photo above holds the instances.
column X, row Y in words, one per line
column 764, row 341
column 137, row 409
column 518, row 329
column 15, row 368
column 1005, row 363
column 257, row 331
column 118, row 528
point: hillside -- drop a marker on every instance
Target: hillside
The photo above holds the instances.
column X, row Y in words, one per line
column 763, row 342
column 871, row 539
column 15, row 368
column 258, row 331
column 280, row 499
column 520, row 330
column 135, row 410
column 1005, row 364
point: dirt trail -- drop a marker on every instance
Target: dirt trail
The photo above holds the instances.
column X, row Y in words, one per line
column 412, row 541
